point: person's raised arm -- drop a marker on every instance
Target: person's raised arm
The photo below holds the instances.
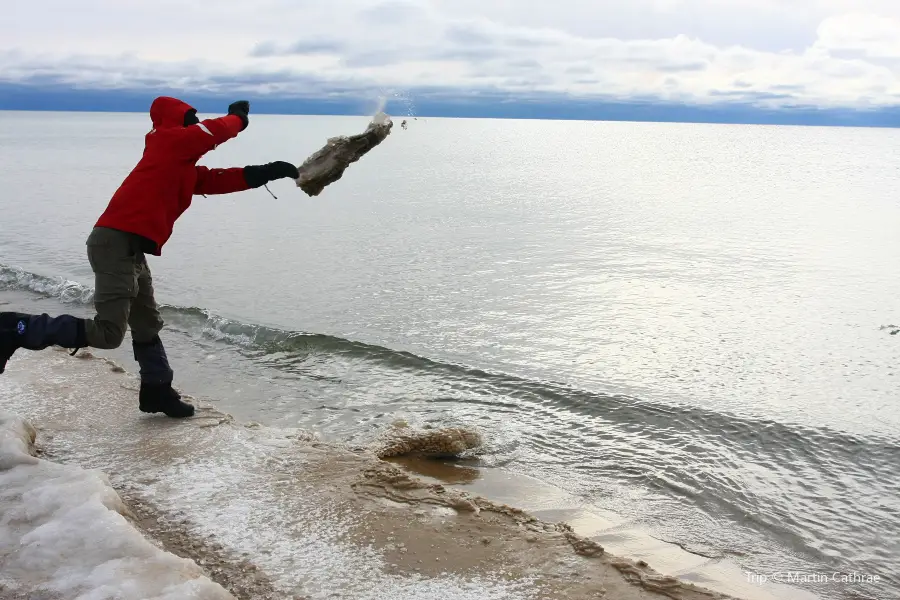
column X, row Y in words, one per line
column 203, row 136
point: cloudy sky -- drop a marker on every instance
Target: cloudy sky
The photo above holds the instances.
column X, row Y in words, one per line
column 826, row 53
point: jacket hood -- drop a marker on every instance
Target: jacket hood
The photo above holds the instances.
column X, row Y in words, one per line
column 168, row 112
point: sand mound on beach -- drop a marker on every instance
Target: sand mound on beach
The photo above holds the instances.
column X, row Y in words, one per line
column 445, row 442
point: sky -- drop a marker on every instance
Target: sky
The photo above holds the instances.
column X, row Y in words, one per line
column 472, row 57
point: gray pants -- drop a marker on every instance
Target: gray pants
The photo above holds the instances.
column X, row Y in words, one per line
column 123, row 297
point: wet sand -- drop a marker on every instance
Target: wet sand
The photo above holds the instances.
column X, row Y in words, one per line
column 275, row 513
column 617, row 536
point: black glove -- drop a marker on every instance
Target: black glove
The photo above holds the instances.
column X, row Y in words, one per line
column 257, row 175
column 241, row 108
column 190, row 118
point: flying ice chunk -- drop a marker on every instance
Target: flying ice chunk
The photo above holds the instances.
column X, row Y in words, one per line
column 328, row 164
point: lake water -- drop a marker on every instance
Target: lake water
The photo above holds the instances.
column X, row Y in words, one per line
column 686, row 325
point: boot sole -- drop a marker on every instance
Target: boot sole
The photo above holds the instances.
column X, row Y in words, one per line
column 147, row 410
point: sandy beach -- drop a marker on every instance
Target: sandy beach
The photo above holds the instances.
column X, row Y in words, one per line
column 101, row 501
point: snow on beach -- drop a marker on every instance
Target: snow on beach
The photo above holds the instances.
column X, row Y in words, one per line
column 62, row 530
column 266, row 513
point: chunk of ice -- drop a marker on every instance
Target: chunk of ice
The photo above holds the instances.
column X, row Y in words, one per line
column 62, row 531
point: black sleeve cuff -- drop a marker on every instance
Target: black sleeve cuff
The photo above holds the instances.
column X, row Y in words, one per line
column 255, row 176
column 243, row 117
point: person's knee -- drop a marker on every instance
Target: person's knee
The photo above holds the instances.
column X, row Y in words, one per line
column 106, row 335
column 113, row 339
column 107, row 329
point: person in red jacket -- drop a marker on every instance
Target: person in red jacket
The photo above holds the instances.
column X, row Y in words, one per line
column 138, row 221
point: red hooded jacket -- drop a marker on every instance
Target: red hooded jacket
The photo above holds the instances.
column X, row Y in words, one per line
column 160, row 188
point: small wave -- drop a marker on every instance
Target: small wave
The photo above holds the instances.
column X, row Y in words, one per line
column 69, row 292
column 630, row 412
column 502, row 390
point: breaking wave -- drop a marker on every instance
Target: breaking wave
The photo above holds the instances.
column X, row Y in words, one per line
column 69, row 292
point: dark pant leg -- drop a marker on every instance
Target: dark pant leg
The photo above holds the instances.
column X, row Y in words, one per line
column 36, row 332
column 146, row 323
column 113, row 259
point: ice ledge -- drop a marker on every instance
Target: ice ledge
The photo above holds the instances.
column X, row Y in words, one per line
column 64, row 532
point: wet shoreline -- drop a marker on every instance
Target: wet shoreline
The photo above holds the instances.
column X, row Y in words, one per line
column 298, row 510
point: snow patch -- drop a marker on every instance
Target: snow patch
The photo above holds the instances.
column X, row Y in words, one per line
column 63, row 531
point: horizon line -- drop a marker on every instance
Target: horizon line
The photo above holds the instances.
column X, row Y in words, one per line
column 546, row 107
column 508, row 117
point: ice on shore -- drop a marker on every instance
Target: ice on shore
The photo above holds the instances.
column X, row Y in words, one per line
column 62, row 531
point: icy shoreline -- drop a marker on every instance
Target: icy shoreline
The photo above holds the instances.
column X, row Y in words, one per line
column 268, row 513
column 64, row 532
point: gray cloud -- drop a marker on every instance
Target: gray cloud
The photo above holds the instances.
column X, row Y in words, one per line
column 467, row 35
column 473, row 55
column 265, row 49
column 308, row 46
column 747, row 95
column 374, row 58
column 528, row 64
column 786, row 87
column 392, row 12
column 579, row 70
column 683, row 68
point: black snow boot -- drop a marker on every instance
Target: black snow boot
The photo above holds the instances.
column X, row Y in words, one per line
column 161, row 397
column 36, row 332
column 157, row 394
